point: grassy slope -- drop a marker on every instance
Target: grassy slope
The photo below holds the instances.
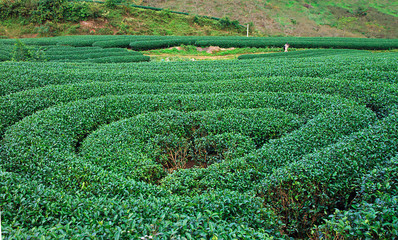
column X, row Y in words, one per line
column 270, row 18
column 123, row 21
column 286, row 17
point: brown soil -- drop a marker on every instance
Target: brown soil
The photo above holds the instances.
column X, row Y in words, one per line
column 29, row 35
column 190, row 164
column 95, row 25
column 196, row 57
column 199, row 57
column 210, row 49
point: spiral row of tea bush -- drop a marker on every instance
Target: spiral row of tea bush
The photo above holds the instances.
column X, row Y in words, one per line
column 232, row 149
column 22, row 76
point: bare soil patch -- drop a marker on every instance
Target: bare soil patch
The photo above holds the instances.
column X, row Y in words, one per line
column 95, row 25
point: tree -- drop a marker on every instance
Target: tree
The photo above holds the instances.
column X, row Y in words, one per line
column 22, row 53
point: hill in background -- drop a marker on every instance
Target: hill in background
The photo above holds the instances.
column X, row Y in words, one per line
column 356, row 18
column 48, row 18
column 303, row 18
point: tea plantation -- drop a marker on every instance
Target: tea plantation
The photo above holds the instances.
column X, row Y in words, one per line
column 95, row 145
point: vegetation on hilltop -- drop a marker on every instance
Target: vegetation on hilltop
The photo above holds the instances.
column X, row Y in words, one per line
column 32, row 18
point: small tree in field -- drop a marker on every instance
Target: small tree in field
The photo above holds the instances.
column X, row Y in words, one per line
column 22, row 53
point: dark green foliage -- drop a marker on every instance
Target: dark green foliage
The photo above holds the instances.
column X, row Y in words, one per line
column 121, row 59
column 22, row 53
column 75, row 12
column 169, row 139
column 360, row 11
column 122, row 43
column 158, row 9
column 98, row 55
column 18, row 105
column 220, row 147
column 41, row 11
column 301, row 54
column 5, row 52
column 154, row 44
column 4, row 57
column 111, row 3
column 227, row 23
column 315, row 184
column 229, row 150
column 48, row 10
column 374, row 211
column 315, row 134
column 302, row 42
column 53, row 52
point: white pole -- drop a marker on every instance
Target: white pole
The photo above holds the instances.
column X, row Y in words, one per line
column 247, row 36
column 0, row 227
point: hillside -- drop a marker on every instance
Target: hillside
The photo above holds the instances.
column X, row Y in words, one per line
column 48, row 18
column 303, row 18
column 357, row 18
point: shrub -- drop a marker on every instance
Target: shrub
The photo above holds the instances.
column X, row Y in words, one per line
column 23, row 53
column 274, row 146
column 122, row 59
column 307, row 189
column 373, row 213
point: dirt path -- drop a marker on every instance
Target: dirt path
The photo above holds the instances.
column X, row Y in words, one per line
column 200, row 57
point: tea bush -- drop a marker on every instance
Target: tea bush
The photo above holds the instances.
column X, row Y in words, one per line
column 374, row 211
column 273, row 148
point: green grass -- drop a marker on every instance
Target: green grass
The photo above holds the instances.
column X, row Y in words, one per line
column 273, row 16
column 121, row 20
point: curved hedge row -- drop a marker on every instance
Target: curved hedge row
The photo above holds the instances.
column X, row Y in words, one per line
column 317, row 133
column 121, row 59
column 56, row 143
column 254, row 149
column 5, row 57
column 122, row 43
column 73, row 121
column 374, row 212
column 140, row 213
column 19, row 105
column 54, row 52
column 90, row 55
column 168, row 139
column 21, row 76
column 302, row 54
column 102, row 41
column 46, row 41
column 67, row 50
column 323, row 181
column 297, row 42
column 153, row 42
